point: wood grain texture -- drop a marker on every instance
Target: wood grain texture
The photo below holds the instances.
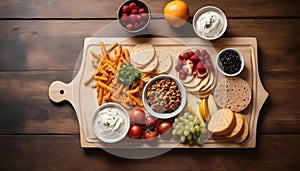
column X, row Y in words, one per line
column 25, row 45
column 40, row 41
column 26, row 108
column 105, row 9
column 63, row 153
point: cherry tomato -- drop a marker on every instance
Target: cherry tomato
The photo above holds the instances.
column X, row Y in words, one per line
column 137, row 115
column 151, row 120
column 135, row 131
column 164, row 127
column 150, row 136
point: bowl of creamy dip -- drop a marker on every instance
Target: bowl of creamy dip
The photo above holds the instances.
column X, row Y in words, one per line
column 110, row 122
column 209, row 23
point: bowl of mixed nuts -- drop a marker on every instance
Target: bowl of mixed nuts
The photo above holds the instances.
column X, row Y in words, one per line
column 164, row 96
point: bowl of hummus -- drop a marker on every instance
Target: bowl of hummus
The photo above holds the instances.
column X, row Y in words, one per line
column 110, row 122
column 209, row 23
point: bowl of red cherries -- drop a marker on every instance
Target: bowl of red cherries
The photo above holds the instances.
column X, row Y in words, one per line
column 134, row 15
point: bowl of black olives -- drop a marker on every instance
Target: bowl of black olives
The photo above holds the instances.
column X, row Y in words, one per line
column 230, row 62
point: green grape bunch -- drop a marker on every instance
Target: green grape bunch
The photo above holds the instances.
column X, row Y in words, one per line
column 188, row 129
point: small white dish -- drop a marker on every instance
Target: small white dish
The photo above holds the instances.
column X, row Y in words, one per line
column 165, row 115
column 113, row 136
column 203, row 11
column 221, row 68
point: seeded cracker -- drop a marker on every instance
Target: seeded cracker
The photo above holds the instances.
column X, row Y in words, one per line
column 233, row 93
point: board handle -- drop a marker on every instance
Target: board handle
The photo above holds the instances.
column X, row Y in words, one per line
column 59, row 91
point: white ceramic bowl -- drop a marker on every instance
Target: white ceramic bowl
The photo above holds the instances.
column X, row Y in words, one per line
column 221, row 69
column 207, row 9
column 165, row 115
column 140, row 4
column 115, row 137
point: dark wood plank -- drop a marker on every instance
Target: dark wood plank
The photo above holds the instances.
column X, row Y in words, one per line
column 277, row 41
column 26, row 108
column 25, row 45
column 273, row 152
column 105, row 9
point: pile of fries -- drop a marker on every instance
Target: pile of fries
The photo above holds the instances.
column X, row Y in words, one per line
column 106, row 77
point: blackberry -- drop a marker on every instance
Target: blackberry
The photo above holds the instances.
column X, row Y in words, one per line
column 230, row 61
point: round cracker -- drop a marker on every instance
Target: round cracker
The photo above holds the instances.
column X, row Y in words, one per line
column 222, row 122
column 238, row 129
column 164, row 61
column 233, row 93
column 245, row 133
column 142, row 58
column 150, row 66
column 141, row 47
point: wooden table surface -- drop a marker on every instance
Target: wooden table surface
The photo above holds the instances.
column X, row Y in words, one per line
column 40, row 41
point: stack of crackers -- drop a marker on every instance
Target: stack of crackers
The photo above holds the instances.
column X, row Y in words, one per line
column 148, row 59
column 232, row 95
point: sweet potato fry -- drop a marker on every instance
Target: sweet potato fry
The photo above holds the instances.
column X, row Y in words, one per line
column 139, row 102
column 100, row 78
column 112, row 46
column 102, row 85
column 89, row 79
column 100, row 96
column 126, row 55
column 107, row 63
column 95, row 55
column 137, row 89
column 115, row 99
column 106, row 96
column 119, row 90
column 103, row 50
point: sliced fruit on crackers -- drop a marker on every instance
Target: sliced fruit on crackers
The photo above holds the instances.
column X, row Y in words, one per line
column 194, row 83
column 209, row 83
column 164, row 61
column 188, row 79
column 203, row 82
column 233, row 93
column 204, row 96
column 222, row 122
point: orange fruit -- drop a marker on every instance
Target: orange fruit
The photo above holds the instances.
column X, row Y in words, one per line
column 176, row 13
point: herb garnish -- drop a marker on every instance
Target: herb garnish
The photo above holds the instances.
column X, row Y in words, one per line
column 207, row 25
column 129, row 74
column 106, row 124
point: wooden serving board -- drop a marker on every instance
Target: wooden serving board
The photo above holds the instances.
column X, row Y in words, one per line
column 83, row 98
